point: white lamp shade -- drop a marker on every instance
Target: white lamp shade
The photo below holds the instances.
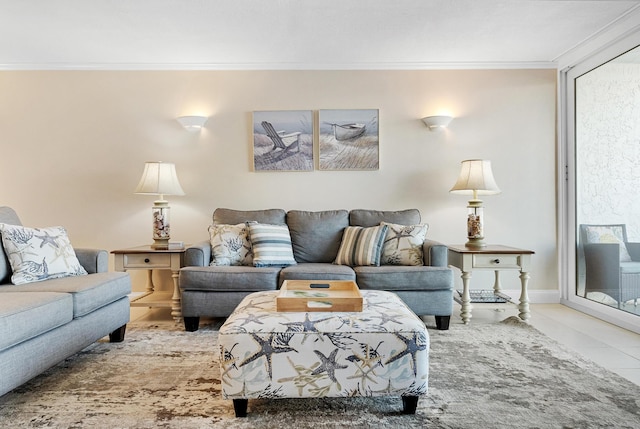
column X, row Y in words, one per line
column 476, row 177
column 159, row 178
column 192, row 123
column 436, row 123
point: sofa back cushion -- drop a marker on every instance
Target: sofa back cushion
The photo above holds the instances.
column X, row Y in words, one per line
column 316, row 236
column 7, row 215
column 366, row 218
column 233, row 217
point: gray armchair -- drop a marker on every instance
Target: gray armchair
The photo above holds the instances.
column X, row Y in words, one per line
column 605, row 270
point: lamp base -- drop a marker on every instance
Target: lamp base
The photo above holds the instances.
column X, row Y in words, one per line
column 160, row 244
column 475, row 243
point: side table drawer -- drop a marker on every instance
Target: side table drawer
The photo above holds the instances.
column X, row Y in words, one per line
column 147, row 260
column 496, row 261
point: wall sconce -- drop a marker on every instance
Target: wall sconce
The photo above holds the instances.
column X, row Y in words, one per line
column 437, row 123
column 160, row 178
column 476, row 178
column 192, row 123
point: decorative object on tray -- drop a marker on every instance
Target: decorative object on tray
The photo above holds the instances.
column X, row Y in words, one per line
column 319, row 295
column 283, row 140
column 349, row 139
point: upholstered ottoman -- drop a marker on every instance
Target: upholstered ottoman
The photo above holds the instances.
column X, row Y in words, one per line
column 383, row 350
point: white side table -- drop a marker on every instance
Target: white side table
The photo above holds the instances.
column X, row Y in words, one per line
column 147, row 258
column 492, row 257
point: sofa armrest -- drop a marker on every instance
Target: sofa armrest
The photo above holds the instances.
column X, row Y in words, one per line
column 634, row 250
column 436, row 254
column 198, row 255
column 93, row 260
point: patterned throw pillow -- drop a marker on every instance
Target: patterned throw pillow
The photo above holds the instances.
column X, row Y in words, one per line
column 361, row 246
column 403, row 244
column 230, row 245
column 37, row 254
column 609, row 234
column 271, row 245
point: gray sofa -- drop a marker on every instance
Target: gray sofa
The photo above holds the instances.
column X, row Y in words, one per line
column 44, row 322
column 215, row 291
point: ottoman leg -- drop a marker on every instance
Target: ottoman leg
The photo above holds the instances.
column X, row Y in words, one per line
column 409, row 404
column 240, row 407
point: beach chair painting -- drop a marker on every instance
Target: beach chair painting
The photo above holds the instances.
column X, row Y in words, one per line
column 283, row 140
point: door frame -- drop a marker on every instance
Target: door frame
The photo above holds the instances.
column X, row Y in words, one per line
column 566, row 172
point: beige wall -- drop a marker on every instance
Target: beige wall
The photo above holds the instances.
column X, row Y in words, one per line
column 74, row 144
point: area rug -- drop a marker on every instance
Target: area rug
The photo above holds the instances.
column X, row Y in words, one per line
column 501, row 375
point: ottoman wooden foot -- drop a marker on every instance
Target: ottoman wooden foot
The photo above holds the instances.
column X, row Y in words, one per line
column 240, row 407
column 409, row 404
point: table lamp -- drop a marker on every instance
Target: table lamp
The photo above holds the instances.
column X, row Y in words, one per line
column 476, row 178
column 160, row 178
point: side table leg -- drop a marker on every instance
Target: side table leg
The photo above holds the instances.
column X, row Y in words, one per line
column 524, row 297
column 176, row 305
column 150, row 286
column 465, row 313
column 496, row 284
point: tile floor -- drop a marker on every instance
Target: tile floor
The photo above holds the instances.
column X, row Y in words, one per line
column 608, row 345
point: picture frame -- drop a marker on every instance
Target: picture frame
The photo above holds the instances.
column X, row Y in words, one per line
column 283, row 140
column 348, row 139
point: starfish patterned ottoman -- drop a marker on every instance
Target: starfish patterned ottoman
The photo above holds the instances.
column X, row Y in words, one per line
column 383, row 350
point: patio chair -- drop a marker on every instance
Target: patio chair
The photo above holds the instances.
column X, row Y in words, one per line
column 612, row 264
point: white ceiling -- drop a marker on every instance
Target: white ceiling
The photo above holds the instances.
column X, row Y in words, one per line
column 297, row 34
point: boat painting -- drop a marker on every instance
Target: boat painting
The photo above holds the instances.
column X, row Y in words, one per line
column 348, row 139
column 348, row 131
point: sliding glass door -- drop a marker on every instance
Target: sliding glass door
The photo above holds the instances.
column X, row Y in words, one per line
column 601, row 227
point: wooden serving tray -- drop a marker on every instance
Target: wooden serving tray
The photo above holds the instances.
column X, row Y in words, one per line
column 319, row 295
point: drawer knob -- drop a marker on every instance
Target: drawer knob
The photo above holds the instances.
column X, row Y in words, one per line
column 496, row 261
column 146, row 260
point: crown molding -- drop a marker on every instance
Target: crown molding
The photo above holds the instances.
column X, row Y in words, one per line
column 491, row 65
column 623, row 27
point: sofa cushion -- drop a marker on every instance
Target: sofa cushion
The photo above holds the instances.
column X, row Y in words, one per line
column 609, row 234
column 271, row 245
column 230, row 244
column 397, row 278
column 234, row 217
column 37, row 254
column 630, row 267
column 316, row 236
column 360, row 217
column 361, row 246
column 89, row 292
column 403, row 244
column 25, row 315
column 229, row 279
column 9, row 216
column 316, row 271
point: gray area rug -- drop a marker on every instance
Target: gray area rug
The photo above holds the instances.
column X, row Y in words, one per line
column 503, row 375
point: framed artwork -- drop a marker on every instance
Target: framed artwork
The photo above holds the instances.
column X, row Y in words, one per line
column 283, row 140
column 349, row 139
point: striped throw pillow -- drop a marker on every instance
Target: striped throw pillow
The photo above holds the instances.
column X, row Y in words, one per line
column 271, row 245
column 361, row 246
